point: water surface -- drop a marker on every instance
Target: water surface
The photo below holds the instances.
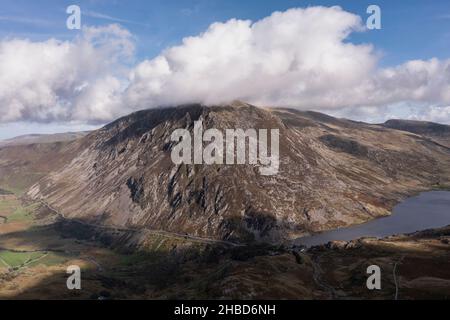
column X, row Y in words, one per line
column 425, row 211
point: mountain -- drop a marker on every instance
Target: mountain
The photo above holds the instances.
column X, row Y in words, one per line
column 332, row 173
column 26, row 159
column 42, row 138
column 435, row 131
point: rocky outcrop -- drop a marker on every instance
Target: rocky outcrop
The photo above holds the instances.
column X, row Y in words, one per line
column 345, row 145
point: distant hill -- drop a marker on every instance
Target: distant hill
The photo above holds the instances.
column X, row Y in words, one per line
column 26, row 159
column 42, row 138
column 436, row 131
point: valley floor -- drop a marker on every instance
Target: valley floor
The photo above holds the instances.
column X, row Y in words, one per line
column 36, row 248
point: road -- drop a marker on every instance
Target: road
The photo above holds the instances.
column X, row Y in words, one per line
column 31, row 251
column 4, row 263
column 154, row 232
column 45, row 254
column 395, row 277
column 95, row 262
column 317, row 276
column 24, row 265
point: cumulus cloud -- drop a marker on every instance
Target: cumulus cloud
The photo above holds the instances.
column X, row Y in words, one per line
column 60, row 80
column 300, row 58
column 426, row 81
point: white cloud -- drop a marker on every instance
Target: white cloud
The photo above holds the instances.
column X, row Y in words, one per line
column 414, row 81
column 102, row 16
column 431, row 113
column 400, row 110
column 287, row 58
column 299, row 58
column 51, row 80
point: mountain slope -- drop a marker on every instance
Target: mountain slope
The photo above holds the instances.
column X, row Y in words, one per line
column 21, row 166
column 435, row 131
column 42, row 138
column 332, row 173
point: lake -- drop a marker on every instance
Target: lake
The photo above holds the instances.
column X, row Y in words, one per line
column 425, row 211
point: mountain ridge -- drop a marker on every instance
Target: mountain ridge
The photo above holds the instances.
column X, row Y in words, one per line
column 333, row 173
column 440, row 133
column 42, row 138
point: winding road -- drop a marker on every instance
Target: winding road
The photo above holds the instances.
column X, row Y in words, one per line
column 45, row 252
column 154, row 232
column 25, row 264
column 395, row 276
column 317, row 276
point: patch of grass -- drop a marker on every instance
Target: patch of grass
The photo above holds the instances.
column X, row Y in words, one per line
column 51, row 259
column 18, row 191
column 7, row 203
column 20, row 214
column 139, row 258
column 18, row 259
column 441, row 187
column 3, row 263
column 15, row 211
column 158, row 243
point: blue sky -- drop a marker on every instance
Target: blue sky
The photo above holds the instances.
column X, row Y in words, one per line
column 411, row 30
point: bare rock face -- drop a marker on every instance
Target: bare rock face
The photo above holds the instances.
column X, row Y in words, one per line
column 332, row 173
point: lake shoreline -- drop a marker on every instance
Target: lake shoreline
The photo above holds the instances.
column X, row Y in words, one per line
column 374, row 228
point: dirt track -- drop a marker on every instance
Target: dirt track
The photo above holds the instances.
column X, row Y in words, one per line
column 155, row 232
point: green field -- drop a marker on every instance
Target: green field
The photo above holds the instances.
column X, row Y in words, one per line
column 22, row 214
column 50, row 259
column 8, row 205
column 18, row 259
column 15, row 211
column 3, row 263
column 441, row 187
column 12, row 259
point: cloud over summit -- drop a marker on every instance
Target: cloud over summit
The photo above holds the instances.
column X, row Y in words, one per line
column 299, row 58
column 286, row 58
